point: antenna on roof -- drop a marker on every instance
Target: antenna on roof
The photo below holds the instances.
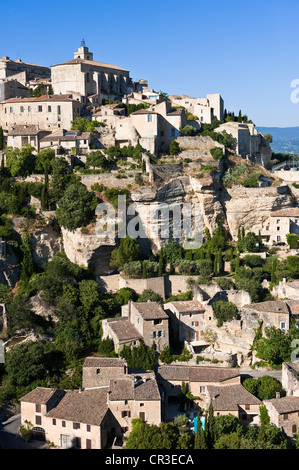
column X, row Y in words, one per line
column 83, row 43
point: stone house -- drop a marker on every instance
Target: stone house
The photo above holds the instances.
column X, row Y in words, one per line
column 196, row 378
column 287, row 290
column 109, row 114
column 22, row 71
column 49, row 112
column 151, row 322
column 233, row 399
column 249, row 142
column 69, row 418
column 12, row 88
column 20, row 135
column 282, row 222
column 186, row 319
column 206, row 109
column 121, row 331
column 110, row 398
column 71, row 141
column 87, row 77
column 146, row 95
column 284, row 413
column 272, row 313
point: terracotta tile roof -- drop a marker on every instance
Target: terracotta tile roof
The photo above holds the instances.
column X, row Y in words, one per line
column 87, row 406
column 43, row 98
column 39, row 395
column 289, row 212
column 270, row 306
column 104, row 362
column 90, row 62
column 197, row 373
column 137, row 387
column 150, row 310
column 143, row 111
column 123, row 329
column 229, row 397
column 285, row 404
column 187, row 306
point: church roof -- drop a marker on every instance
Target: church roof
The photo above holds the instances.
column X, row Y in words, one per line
column 90, row 62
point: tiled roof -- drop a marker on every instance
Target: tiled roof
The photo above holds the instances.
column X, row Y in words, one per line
column 39, row 395
column 43, row 98
column 143, row 111
column 104, row 362
column 90, row 62
column 150, row 310
column 123, row 329
column 87, row 406
column 30, row 129
column 229, row 397
column 187, row 306
column 270, row 306
column 285, row 404
column 197, row 373
column 289, row 212
column 136, row 388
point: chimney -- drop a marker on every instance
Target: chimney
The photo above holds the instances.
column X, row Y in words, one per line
column 277, row 395
column 108, row 397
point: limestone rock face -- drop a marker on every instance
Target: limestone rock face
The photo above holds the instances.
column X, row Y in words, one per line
column 251, row 207
column 9, row 266
column 46, row 242
column 39, row 307
column 88, row 250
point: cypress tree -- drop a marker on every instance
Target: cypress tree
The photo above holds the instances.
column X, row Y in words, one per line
column 215, row 266
column 27, row 265
column 260, row 240
column 171, row 268
column 220, row 261
column 237, row 263
column 144, row 270
column 160, row 269
column 243, row 232
column 239, row 234
column 210, row 426
column 273, row 271
column 1, row 138
column 200, row 438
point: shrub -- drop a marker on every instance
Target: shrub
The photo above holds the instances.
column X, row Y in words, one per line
column 216, row 152
column 224, row 311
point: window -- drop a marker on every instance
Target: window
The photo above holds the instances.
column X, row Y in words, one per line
column 88, row 427
column 294, row 429
column 76, row 425
column 58, row 109
column 29, row 109
column 22, row 109
column 63, row 424
column 157, row 322
column 282, row 326
column 38, row 419
column 10, row 109
column 88, row 444
column 40, row 109
column 278, row 221
column 162, row 133
column 202, row 389
column 150, row 134
column 285, row 417
column 247, row 407
column 98, row 371
column 126, row 402
column 142, row 415
column 125, row 414
column 149, row 118
column 159, row 334
column 54, row 422
column 49, row 109
column 141, row 404
column 38, row 408
column 278, row 228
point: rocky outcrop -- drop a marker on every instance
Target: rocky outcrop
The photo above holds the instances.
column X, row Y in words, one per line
column 88, row 250
column 9, row 265
column 251, row 207
column 46, row 242
column 39, row 307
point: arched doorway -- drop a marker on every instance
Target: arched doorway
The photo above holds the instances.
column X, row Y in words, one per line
column 38, row 434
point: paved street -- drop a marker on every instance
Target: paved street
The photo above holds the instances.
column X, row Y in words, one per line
column 247, row 371
column 9, row 438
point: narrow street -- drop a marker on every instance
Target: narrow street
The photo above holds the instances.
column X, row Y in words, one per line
column 9, row 438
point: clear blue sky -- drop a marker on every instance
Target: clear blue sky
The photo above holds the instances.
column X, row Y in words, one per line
column 245, row 50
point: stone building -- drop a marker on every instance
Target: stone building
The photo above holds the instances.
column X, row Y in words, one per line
column 272, row 313
column 196, row 378
column 109, row 114
column 12, row 88
column 186, row 320
column 206, row 109
column 48, row 112
column 87, row 77
column 20, row 135
column 233, row 399
column 287, row 290
column 67, row 141
column 22, row 71
column 110, row 398
column 250, row 143
column 121, row 331
column 283, row 222
column 284, row 413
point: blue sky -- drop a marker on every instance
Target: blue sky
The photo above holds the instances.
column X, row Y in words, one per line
column 245, row 50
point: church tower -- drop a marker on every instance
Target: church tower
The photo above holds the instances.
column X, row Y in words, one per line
column 83, row 52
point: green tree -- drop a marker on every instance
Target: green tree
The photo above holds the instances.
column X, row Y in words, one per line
column 216, row 152
column 27, row 264
column 174, row 148
column 127, row 251
column 224, row 311
column 292, row 240
column 76, row 207
column 1, row 138
column 149, row 294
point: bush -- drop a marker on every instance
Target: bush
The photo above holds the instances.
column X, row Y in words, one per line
column 216, row 152
column 292, row 240
column 224, row 311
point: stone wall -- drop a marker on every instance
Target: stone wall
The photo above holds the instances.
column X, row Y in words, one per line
column 238, row 297
column 290, row 378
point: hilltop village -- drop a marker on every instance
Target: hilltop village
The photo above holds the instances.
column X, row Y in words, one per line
column 107, row 339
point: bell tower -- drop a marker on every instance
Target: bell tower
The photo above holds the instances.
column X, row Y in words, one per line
column 83, row 52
